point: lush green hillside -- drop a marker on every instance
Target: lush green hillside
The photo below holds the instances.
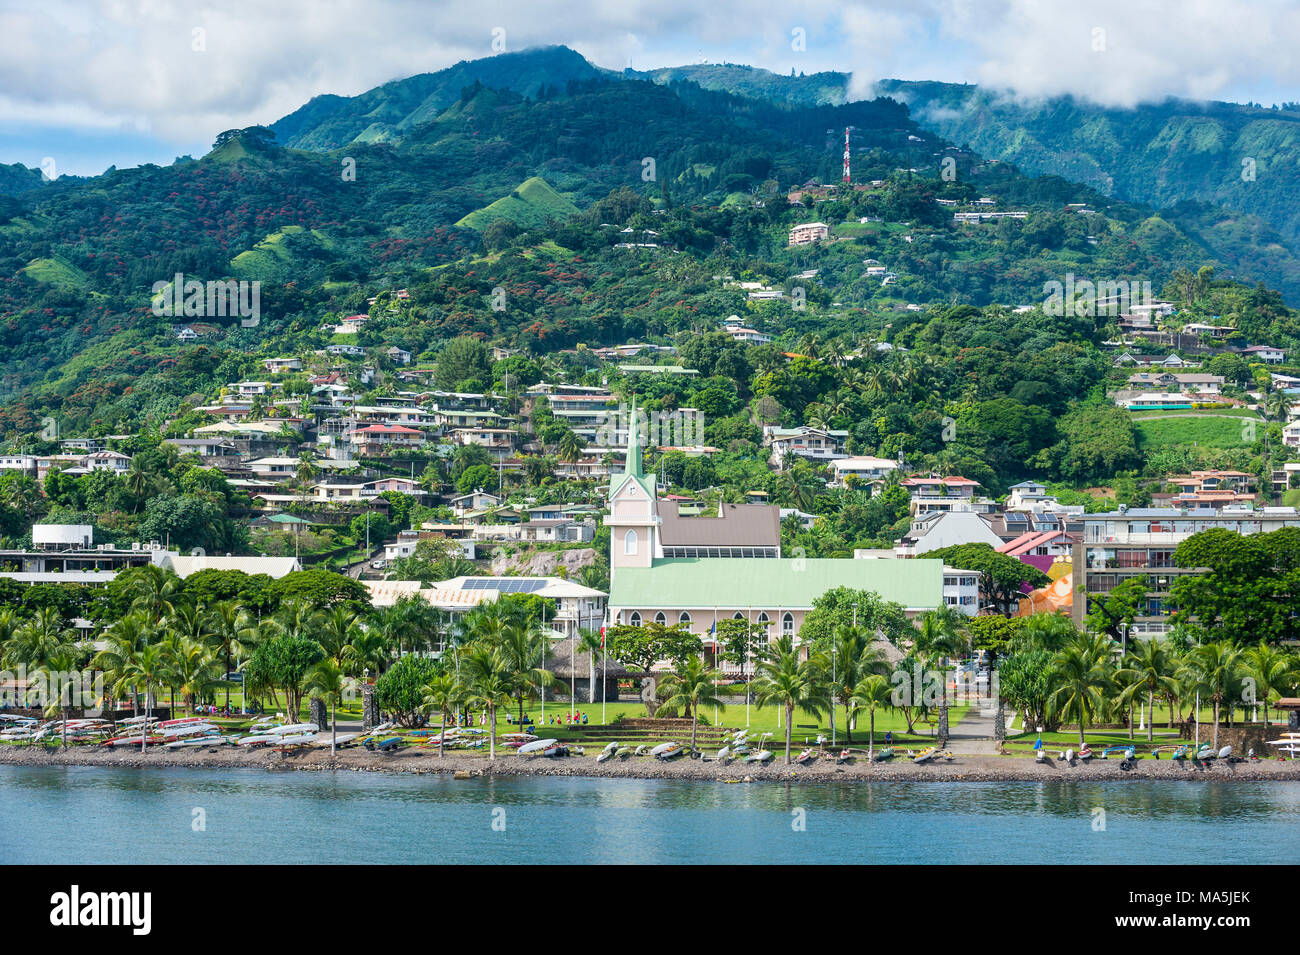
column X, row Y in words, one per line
column 567, row 166
column 389, row 111
column 1238, row 157
column 527, row 207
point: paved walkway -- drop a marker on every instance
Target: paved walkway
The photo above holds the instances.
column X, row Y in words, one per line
column 974, row 734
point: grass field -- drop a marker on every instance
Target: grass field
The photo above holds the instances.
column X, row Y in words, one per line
column 528, row 206
column 734, row 715
column 1219, row 431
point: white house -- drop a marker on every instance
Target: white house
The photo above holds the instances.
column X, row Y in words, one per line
column 868, row 469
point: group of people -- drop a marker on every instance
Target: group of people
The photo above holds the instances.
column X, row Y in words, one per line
column 571, row 719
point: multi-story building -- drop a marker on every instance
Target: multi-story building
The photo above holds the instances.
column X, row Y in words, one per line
column 809, row 232
column 816, row 444
column 381, row 439
column 1140, row 542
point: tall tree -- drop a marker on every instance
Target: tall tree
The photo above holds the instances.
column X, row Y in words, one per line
column 785, row 680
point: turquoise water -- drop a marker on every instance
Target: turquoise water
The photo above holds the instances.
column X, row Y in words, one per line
column 97, row 815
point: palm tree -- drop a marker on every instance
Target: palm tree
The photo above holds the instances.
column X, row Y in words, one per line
column 195, row 668
column 850, row 658
column 147, row 666
column 691, row 687
column 369, row 650
column 570, row 447
column 1080, row 680
column 1274, row 672
column 338, row 629
column 445, row 694
column 523, row 651
column 122, row 640
column 871, row 693
column 9, row 624
column 137, row 481
column 327, row 682
column 1215, row 670
column 1277, row 405
column 304, row 474
column 228, row 622
column 152, row 590
column 296, row 618
column 34, row 642
column 591, row 643
column 785, row 680
column 489, row 682
column 1147, row 667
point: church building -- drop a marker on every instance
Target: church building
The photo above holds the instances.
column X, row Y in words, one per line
column 667, row 568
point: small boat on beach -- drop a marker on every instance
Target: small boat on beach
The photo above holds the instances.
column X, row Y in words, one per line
column 925, row 755
column 188, row 741
column 1180, row 753
column 1225, row 753
column 665, row 751
column 1069, row 756
column 844, row 757
column 118, row 741
column 1205, row 751
column 883, row 755
column 294, row 729
column 554, row 752
column 724, row 754
column 387, row 745
column 762, row 756
column 537, row 746
column 260, row 739
column 607, row 753
column 1085, row 753
column 624, row 752
column 807, row 756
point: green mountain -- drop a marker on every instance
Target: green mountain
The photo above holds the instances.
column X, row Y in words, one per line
column 390, row 111
column 528, row 206
column 572, row 156
column 1239, row 157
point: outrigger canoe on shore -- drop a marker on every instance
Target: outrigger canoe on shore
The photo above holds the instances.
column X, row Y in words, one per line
column 537, row 746
column 665, row 751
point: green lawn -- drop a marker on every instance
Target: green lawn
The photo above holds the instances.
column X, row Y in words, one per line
column 1221, row 431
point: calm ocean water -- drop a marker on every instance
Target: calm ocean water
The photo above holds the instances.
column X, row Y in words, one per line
column 83, row 815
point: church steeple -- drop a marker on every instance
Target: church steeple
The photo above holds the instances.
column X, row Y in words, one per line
column 633, row 466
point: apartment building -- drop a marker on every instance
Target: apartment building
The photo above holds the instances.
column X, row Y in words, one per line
column 1140, row 542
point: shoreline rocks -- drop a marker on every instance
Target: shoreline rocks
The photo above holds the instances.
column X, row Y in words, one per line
column 426, row 762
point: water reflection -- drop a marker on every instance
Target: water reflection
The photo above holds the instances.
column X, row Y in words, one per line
column 255, row 816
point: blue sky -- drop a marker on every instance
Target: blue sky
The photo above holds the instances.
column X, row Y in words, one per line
column 94, row 83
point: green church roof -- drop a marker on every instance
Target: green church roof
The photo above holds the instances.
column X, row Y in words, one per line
column 767, row 583
column 634, row 469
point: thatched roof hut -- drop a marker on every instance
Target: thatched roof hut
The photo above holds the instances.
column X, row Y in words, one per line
column 560, row 660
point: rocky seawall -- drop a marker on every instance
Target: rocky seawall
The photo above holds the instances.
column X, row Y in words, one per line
column 425, row 761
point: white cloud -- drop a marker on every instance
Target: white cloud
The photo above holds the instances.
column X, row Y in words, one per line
column 1125, row 52
column 131, row 64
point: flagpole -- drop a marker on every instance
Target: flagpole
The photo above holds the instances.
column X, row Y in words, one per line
column 604, row 670
column 714, row 631
column 748, row 660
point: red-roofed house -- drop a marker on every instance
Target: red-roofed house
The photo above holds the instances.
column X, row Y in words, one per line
column 932, row 493
column 380, row 439
column 1039, row 549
